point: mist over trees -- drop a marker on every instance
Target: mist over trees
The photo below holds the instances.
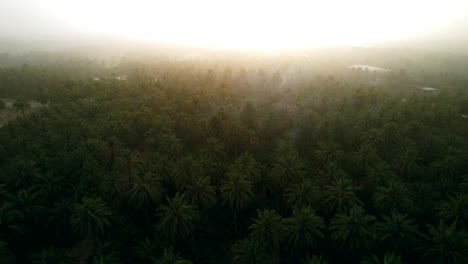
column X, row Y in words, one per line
column 223, row 158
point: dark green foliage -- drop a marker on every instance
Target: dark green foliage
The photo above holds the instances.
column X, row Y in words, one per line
column 234, row 160
column 51, row 255
column 398, row 233
column 250, row 251
column 353, row 231
column 177, row 218
column 90, row 218
column 447, row 244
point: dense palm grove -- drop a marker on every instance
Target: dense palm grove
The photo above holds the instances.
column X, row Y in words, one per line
column 233, row 161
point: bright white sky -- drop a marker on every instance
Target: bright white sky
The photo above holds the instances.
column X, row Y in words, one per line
column 234, row 24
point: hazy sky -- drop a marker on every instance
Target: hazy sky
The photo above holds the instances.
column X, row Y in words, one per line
column 236, row 24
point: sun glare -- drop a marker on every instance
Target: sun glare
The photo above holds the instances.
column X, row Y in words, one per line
column 256, row 24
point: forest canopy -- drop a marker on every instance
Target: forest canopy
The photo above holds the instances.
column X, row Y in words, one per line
column 293, row 158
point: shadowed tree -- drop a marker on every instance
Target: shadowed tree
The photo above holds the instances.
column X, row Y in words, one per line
column 407, row 162
column 247, row 165
column 330, row 173
column 388, row 258
column 177, row 219
column 185, row 170
column 269, row 229
column 169, row 144
column 302, row 194
column 213, row 149
column 52, row 256
column 340, row 196
column 213, row 152
column 303, row 229
column 397, row 233
column 392, row 196
column 237, row 193
column 169, row 257
column 147, row 251
column 145, row 192
column 448, row 165
column 446, row 245
column 288, row 168
column 21, row 173
column 328, row 152
column 453, row 210
column 90, row 218
column 353, row 231
column 106, row 259
column 59, row 218
column 250, row 251
column 27, row 206
column 201, row 193
column 314, row 260
column 378, row 174
column 363, row 158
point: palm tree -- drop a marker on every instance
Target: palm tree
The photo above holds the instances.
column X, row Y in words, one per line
column 353, row 231
column 302, row 194
column 247, row 165
column 145, row 192
column 237, row 193
column 147, row 251
column 177, row 219
column 378, row 174
column 398, row 233
column 27, row 205
column 447, row 244
column 340, row 196
column 131, row 159
column 448, row 166
column 250, row 251
column 454, row 209
column 407, row 162
column 201, row 192
column 393, row 196
column 169, row 144
column 314, row 260
column 330, row 173
column 106, row 259
column 90, row 218
column 303, row 229
column 22, row 173
column 213, row 150
column 328, row 152
column 364, row 157
column 51, row 255
column 373, row 137
column 268, row 228
column 389, row 258
column 169, row 257
column 288, row 168
column 58, row 218
column 185, row 170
